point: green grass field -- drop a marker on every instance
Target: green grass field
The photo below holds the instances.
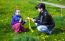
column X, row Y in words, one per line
column 27, row 8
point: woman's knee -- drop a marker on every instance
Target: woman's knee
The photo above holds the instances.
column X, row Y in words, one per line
column 42, row 28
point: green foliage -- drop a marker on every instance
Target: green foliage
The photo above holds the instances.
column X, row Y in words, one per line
column 27, row 8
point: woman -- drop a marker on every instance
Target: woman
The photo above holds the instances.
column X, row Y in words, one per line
column 44, row 20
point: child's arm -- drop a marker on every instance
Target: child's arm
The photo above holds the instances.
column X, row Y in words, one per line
column 20, row 20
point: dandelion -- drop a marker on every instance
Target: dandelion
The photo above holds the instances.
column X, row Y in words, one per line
column 60, row 0
column 52, row 15
column 55, row 39
column 64, row 19
column 59, row 40
column 41, row 35
column 0, row 7
column 1, row 20
column 43, row 38
column 46, row 36
column 63, row 32
column 25, row 32
column 63, row 39
column 38, row 37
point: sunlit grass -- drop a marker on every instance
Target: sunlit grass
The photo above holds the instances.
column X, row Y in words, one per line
column 27, row 8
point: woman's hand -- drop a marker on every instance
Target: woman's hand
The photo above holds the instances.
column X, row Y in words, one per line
column 33, row 19
column 28, row 18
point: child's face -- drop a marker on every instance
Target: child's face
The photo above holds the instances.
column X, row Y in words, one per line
column 40, row 9
column 17, row 12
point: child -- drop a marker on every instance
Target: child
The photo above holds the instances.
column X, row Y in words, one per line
column 44, row 21
column 17, row 23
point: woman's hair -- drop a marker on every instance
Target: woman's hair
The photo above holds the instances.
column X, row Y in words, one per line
column 40, row 5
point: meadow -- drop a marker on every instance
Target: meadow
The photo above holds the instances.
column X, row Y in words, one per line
column 27, row 8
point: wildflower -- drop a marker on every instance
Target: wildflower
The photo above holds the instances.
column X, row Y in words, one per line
column 46, row 36
column 63, row 39
column 1, row 20
column 55, row 39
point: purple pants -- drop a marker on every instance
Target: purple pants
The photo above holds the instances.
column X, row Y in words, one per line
column 18, row 28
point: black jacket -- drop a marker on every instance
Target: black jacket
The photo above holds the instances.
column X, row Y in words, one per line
column 45, row 19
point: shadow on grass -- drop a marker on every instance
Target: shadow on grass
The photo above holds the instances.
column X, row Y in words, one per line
column 34, row 27
column 58, row 30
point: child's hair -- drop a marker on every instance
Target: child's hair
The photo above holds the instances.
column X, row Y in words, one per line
column 40, row 5
column 17, row 10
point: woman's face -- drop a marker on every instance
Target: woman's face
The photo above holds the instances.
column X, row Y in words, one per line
column 40, row 9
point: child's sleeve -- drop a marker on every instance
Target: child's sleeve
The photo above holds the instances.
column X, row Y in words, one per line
column 13, row 21
column 23, row 22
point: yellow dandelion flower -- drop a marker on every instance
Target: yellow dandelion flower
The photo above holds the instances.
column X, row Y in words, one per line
column 59, row 40
column 63, row 32
column 55, row 39
column 25, row 32
column 38, row 37
column 60, row 0
column 64, row 19
column 1, row 20
column 46, row 36
column 63, row 39
column 41, row 35
column 43, row 38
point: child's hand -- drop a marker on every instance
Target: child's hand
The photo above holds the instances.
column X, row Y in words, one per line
column 20, row 20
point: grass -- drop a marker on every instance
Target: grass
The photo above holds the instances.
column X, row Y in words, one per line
column 27, row 9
